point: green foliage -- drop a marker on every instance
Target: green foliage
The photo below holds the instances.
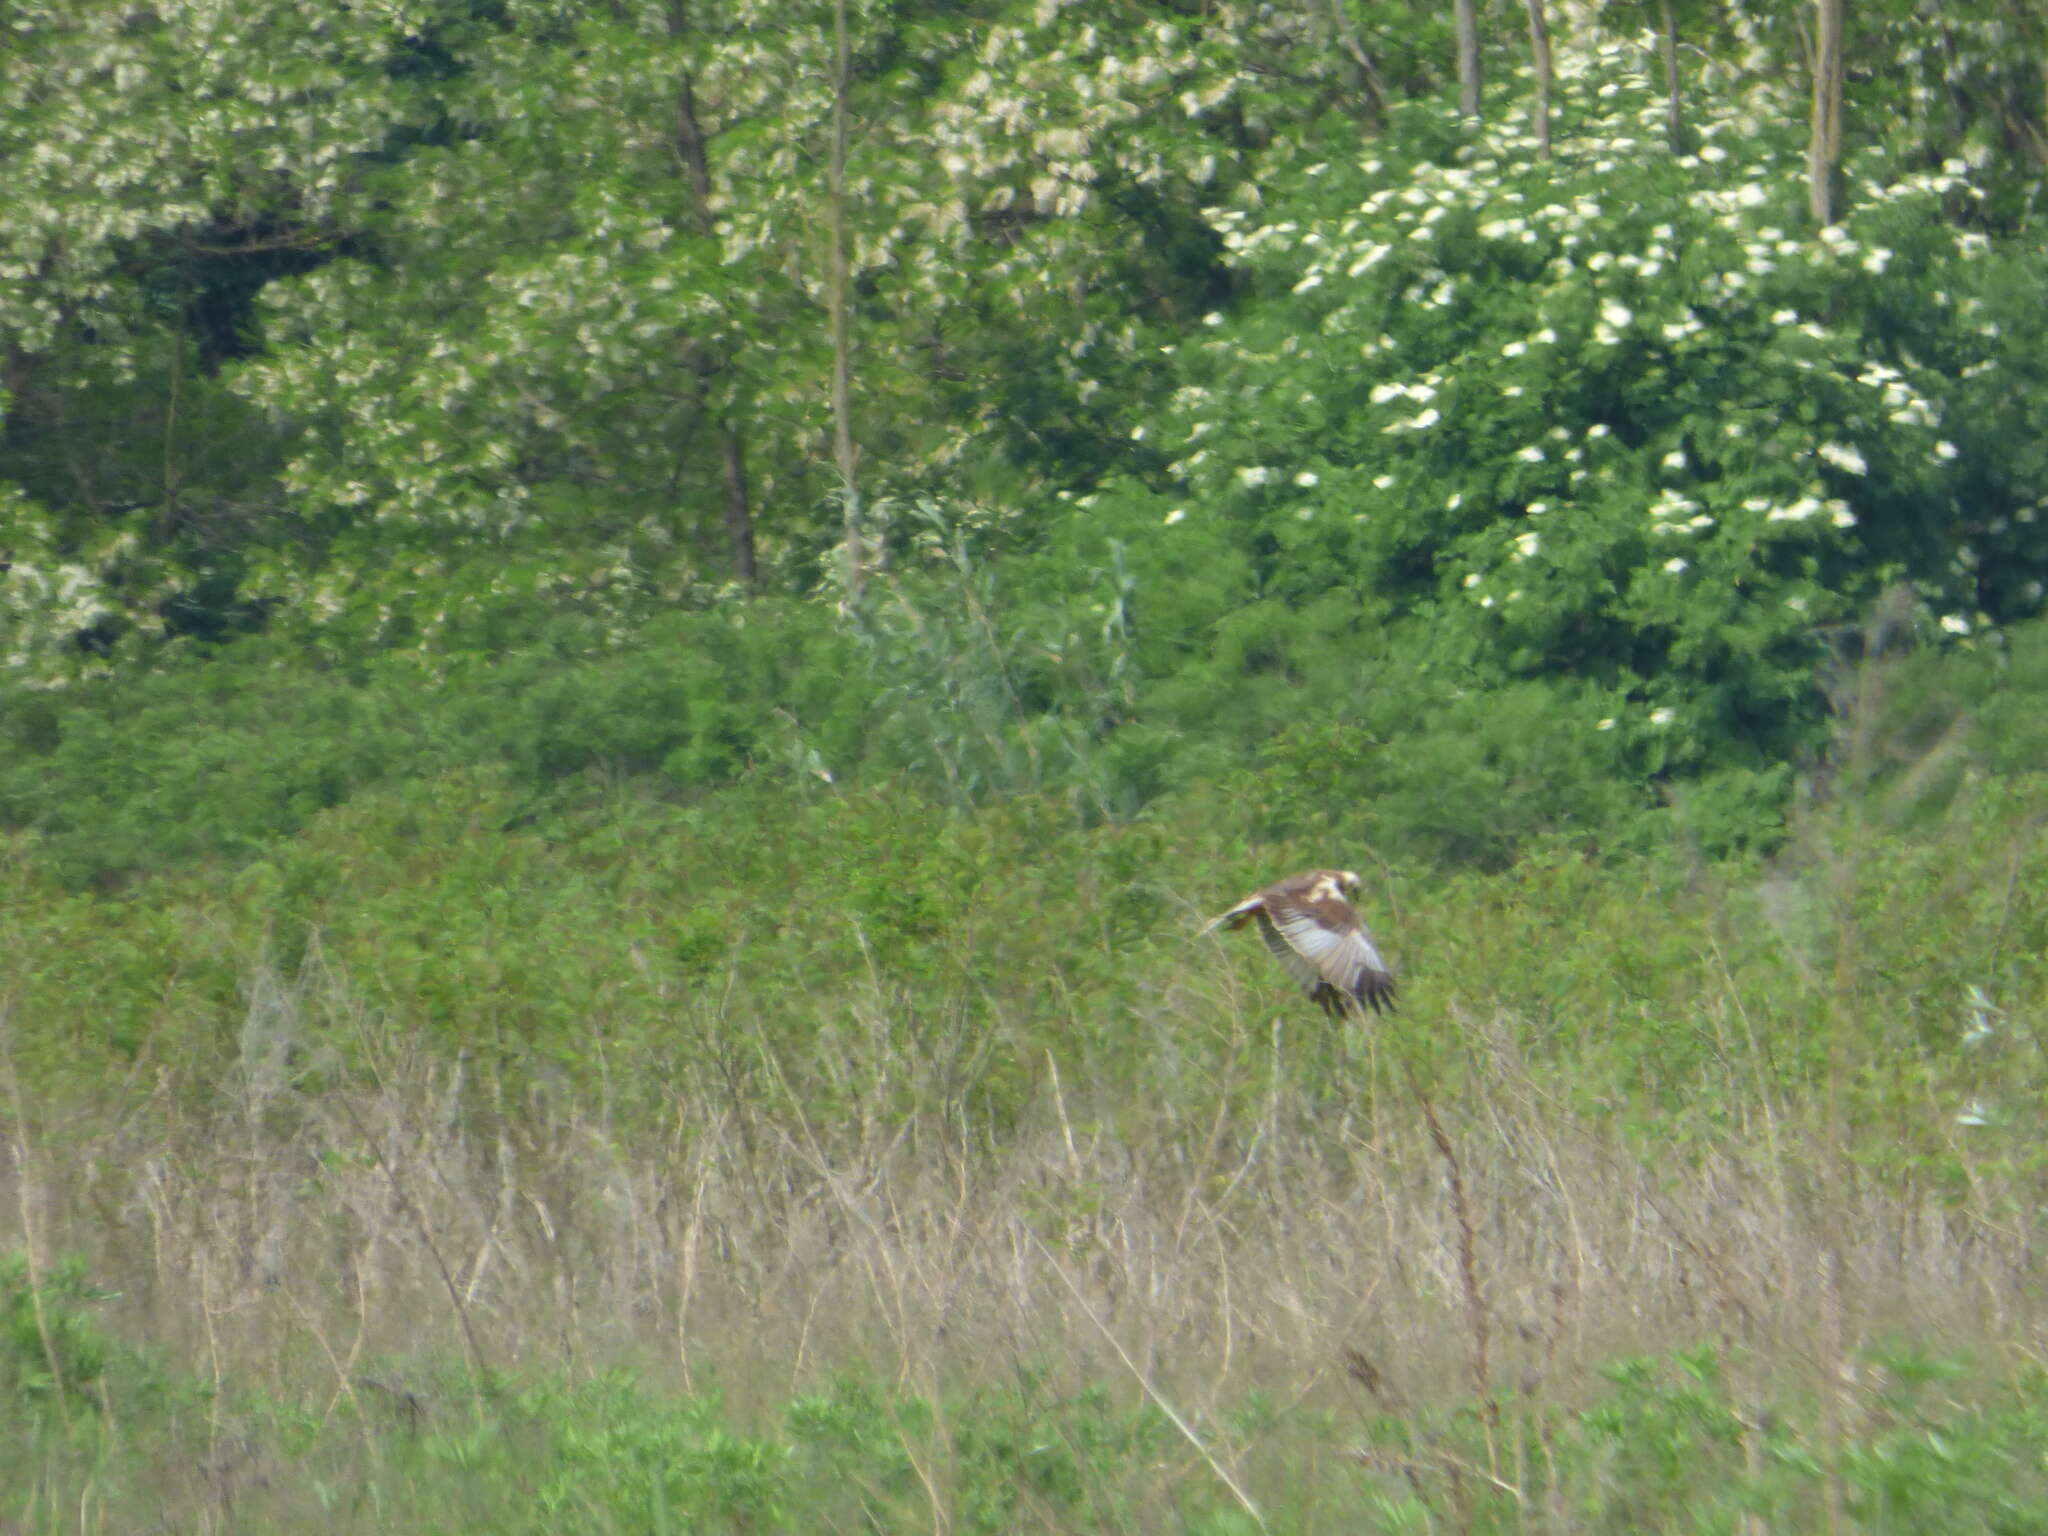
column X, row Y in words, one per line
column 1931, row 81
column 201, row 758
column 1693, row 1441
column 1602, row 422
column 1471, row 780
column 556, row 342
column 1681, row 1450
column 163, row 164
column 545, row 1454
column 1212, row 381
column 51, row 1349
column 348, row 342
column 1673, row 1444
column 801, row 936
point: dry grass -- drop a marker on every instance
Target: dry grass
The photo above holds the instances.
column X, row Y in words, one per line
column 1317, row 1238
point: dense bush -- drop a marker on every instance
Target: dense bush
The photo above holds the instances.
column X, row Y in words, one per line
column 1608, row 424
column 1511, row 497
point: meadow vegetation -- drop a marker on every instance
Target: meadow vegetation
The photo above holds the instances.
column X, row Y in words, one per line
column 492, row 1152
column 565, row 966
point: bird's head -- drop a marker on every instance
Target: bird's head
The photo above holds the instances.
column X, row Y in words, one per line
column 1348, row 883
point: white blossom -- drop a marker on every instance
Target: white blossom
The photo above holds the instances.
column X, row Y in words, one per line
column 1843, row 456
column 1420, row 422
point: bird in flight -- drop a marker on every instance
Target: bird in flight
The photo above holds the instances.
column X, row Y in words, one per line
column 1308, row 922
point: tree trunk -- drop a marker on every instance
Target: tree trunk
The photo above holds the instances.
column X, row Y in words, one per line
column 739, row 522
column 1467, row 14
column 1539, row 51
column 739, row 512
column 837, row 282
column 1370, row 85
column 1674, row 125
column 1824, row 146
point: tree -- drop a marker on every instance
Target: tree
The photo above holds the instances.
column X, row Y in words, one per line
column 416, row 331
column 563, row 348
column 162, row 165
column 1667, row 43
column 837, row 282
column 1370, row 85
column 1539, row 52
column 1824, row 144
column 1466, row 13
column 739, row 517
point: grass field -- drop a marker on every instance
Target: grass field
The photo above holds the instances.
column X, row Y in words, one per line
column 847, row 1164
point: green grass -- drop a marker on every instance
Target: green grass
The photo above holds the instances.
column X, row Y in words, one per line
column 475, row 1154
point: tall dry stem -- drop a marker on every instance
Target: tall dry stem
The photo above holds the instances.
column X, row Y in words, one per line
column 1477, row 1315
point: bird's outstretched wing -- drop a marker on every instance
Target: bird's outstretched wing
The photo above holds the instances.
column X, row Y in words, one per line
column 1314, row 932
column 1327, row 940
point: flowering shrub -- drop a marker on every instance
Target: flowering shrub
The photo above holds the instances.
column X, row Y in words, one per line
column 1613, row 418
column 50, row 598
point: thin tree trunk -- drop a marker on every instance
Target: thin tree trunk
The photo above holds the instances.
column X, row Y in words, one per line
column 739, row 521
column 689, row 131
column 1467, row 14
column 1674, row 125
column 1371, row 86
column 1539, row 51
column 838, row 281
column 1824, row 145
column 739, row 512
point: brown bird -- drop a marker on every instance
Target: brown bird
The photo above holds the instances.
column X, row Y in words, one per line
column 1308, row 922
